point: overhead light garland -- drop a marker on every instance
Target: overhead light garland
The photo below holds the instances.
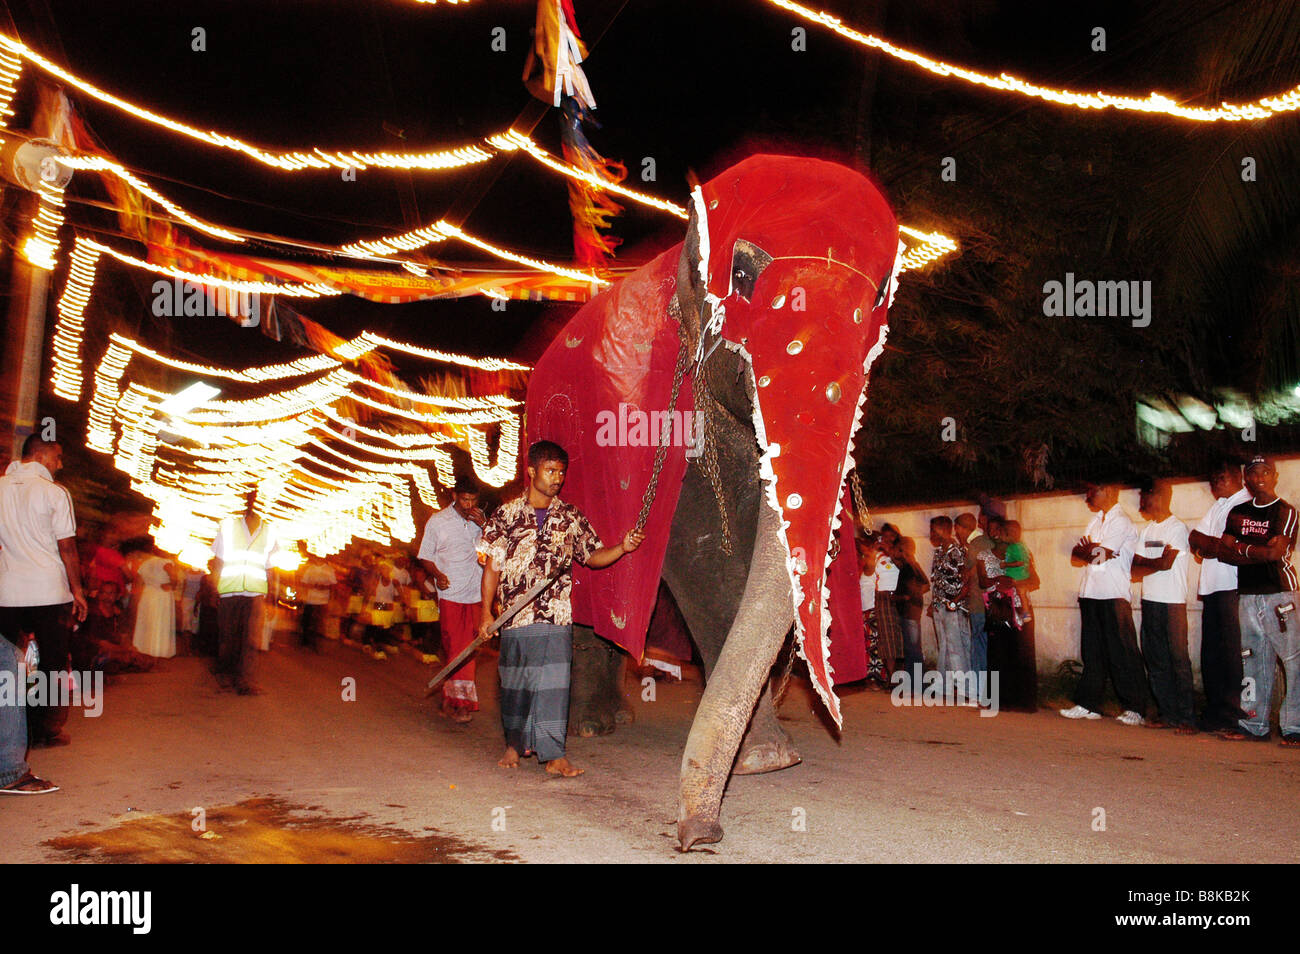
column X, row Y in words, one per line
column 106, row 165
column 66, row 364
column 288, row 289
column 11, row 67
column 288, row 161
column 511, row 141
column 927, row 247
column 1268, row 107
column 195, row 463
column 42, row 245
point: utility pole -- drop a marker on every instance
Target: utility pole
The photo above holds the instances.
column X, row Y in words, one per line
column 24, row 162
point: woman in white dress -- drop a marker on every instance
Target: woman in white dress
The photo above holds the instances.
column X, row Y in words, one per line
column 155, row 617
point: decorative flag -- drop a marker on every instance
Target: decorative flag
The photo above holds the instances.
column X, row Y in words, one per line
column 553, row 73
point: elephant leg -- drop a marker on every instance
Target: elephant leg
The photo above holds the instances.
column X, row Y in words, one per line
column 765, row 616
column 616, row 698
column 767, row 747
column 592, row 691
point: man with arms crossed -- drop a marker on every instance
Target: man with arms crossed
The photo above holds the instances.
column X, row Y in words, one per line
column 1107, row 639
column 1161, row 564
column 528, row 540
column 1220, row 628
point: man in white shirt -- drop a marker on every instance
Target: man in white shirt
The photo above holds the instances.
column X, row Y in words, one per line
column 244, row 548
column 1160, row 563
column 1221, row 667
column 40, row 573
column 1107, row 638
column 448, row 554
column 314, row 580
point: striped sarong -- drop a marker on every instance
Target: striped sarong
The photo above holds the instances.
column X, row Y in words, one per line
column 889, row 630
column 534, row 667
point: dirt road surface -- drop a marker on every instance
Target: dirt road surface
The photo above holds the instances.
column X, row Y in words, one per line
column 301, row 774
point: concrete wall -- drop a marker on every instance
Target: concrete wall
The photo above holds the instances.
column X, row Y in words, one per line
column 1051, row 525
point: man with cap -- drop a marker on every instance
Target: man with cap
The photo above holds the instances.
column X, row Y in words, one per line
column 448, row 554
column 1107, row 638
column 1258, row 539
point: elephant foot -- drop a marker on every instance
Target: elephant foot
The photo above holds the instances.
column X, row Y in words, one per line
column 698, row 830
column 767, row 756
column 591, row 724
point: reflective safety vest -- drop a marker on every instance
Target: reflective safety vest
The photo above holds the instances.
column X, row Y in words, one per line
column 244, row 559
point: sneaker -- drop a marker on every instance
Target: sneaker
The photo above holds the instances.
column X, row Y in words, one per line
column 1079, row 712
column 1130, row 718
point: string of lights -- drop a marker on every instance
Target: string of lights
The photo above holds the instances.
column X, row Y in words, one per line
column 511, row 141
column 1268, row 107
column 65, row 369
column 105, row 165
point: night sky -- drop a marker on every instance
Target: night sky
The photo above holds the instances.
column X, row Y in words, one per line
column 695, row 86
column 691, row 85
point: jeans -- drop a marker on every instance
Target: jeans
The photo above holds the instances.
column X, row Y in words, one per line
column 953, row 631
column 1108, row 644
column 1263, row 638
column 979, row 640
column 1221, row 667
column 1164, row 646
column 13, row 720
column 912, row 655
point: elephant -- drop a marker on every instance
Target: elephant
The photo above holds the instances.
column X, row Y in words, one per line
column 713, row 395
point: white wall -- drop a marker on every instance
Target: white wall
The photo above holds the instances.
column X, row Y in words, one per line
column 1051, row 525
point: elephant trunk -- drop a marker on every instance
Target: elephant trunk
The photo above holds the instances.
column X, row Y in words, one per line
column 765, row 616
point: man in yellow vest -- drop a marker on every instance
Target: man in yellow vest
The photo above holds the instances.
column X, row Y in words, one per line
column 244, row 548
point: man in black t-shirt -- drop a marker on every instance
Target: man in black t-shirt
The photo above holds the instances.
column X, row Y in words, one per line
column 1259, row 537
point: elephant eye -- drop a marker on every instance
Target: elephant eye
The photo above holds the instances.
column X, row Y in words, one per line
column 747, row 263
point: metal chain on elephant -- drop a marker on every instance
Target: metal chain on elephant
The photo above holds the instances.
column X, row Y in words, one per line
column 859, row 501
column 785, row 677
column 661, row 452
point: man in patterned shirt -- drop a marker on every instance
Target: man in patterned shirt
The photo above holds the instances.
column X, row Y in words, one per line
column 526, row 541
column 950, row 582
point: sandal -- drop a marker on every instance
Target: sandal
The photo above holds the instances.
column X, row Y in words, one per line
column 1291, row 741
column 29, row 784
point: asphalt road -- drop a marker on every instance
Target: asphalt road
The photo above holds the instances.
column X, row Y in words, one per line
column 901, row 785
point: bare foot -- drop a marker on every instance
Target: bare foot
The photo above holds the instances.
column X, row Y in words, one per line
column 461, row 716
column 510, row 759
column 563, row 766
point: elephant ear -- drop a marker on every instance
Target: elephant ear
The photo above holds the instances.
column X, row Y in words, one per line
column 811, row 326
